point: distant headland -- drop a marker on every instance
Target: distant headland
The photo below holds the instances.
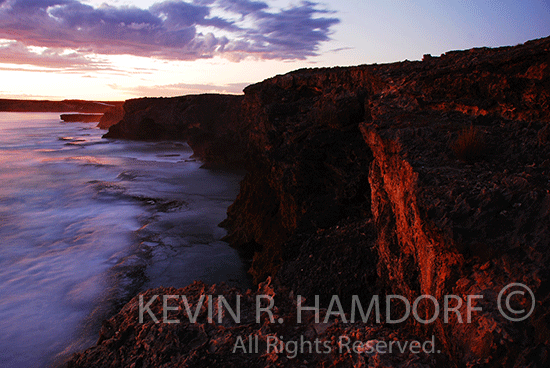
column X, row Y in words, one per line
column 83, row 106
column 106, row 113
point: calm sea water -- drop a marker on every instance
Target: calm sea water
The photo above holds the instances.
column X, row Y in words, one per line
column 86, row 223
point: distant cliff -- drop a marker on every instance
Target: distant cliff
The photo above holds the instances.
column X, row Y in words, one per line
column 414, row 178
column 56, row 106
column 208, row 122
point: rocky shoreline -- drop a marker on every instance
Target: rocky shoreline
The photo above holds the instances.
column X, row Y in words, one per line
column 414, row 178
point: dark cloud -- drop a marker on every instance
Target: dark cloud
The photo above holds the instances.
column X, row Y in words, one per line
column 177, row 30
column 29, row 5
column 243, row 6
column 292, row 33
column 77, row 16
column 179, row 14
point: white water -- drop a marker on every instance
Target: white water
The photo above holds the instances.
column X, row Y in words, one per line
column 85, row 223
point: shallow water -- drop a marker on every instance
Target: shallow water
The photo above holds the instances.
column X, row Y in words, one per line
column 86, row 223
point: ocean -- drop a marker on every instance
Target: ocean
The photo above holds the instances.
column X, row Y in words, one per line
column 87, row 222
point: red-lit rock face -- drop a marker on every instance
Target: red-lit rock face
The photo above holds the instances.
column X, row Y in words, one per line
column 466, row 228
column 357, row 186
column 111, row 117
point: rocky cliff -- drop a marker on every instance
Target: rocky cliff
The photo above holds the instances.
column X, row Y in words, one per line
column 112, row 116
column 414, row 178
column 209, row 123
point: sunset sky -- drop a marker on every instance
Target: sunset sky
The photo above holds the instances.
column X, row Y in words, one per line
column 117, row 49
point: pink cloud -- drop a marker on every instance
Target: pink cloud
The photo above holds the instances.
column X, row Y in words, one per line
column 169, row 30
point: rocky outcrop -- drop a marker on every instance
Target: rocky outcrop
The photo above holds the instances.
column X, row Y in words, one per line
column 81, row 118
column 466, row 228
column 306, row 156
column 413, row 178
column 111, row 117
column 196, row 341
column 209, row 123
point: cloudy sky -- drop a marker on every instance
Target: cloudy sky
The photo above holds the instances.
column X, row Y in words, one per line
column 117, row 49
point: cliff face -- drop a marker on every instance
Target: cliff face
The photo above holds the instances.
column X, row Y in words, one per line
column 466, row 228
column 209, row 123
column 307, row 160
column 412, row 178
column 111, row 117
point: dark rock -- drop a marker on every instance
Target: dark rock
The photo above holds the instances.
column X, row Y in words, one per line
column 209, row 123
column 111, row 117
column 81, row 118
column 124, row 342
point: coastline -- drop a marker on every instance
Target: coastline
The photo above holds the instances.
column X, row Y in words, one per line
column 82, row 106
column 355, row 187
